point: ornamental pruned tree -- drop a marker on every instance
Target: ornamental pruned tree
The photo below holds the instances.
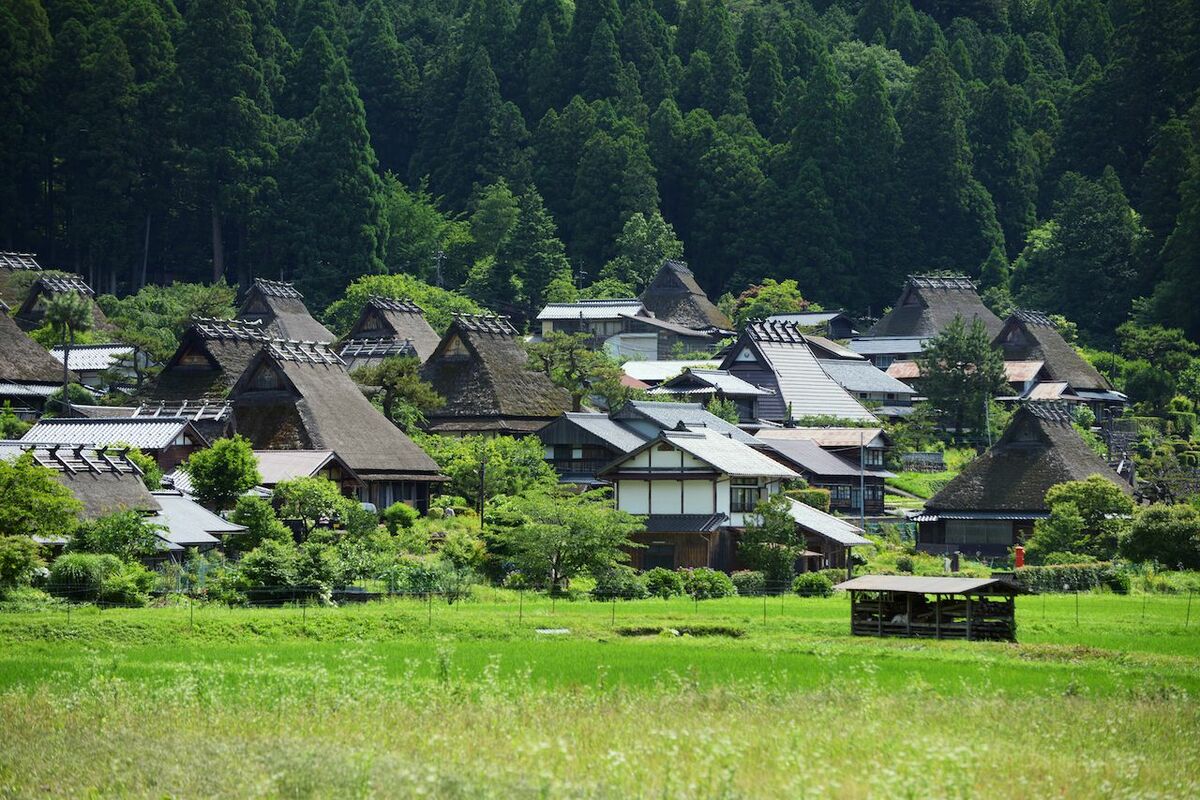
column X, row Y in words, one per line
column 960, row 373
column 403, row 396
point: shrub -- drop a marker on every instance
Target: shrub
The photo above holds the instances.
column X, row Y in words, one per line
column 620, row 581
column 319, row 565
column 128, row 586
column 411, row 576
column 749, row 582
column 81, row 576
column 703, row 583
column 1166, row 534
column 399, row 515
column 1060, row 559
column 19, row 560
column 270, row 565
column 904, row 564
column 817, row 498
column 663, row 583
column 125, row 534
column 463, row 549
column 1073, row 577
column 261, row 524
column 813, row 584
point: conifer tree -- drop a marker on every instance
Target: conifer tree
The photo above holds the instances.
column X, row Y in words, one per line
column 1005, row 161
column 27, row 46
column 764, row 86
column 388, row 83
column 308, row 75
column 614, row 179
column 602, row 68
column 533, row 253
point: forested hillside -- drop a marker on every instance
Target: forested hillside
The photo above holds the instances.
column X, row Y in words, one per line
column 520, row 150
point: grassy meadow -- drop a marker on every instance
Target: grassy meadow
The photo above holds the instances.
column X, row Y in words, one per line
column 523, row 697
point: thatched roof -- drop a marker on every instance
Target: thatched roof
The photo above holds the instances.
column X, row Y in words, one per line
column 483, row 373
column 300, row 397
column 1039, row 449
column 675, row 296
column 33, row 310
column 928, row 304
column 1031, row 336
column 280, row 308
column 210, row 358
column 10, row 265
column 22, row 360
column 104, row 480
column 384, row 319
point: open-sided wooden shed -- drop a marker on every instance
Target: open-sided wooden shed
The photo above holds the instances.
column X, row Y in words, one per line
column 961, row 608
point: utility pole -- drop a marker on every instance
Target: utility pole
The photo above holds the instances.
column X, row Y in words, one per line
column 441, row 254
column 482, row 472
column 862, row 481
column 987, row 416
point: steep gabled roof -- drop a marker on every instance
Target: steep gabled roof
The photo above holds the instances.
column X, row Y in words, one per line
column 280, row 307
column 928, row 304
column 1039, row 449
column 104, row 480
column 1031, row 336
column 211, row 356
column 10, row 264
column 776, row 356
column 482, row 371
column 22, row 360
column 718, row 450
column 33, row 310
column 385, row 319
column 707, row 381
column 300, row 397
column 675, row 296
column 863, row 376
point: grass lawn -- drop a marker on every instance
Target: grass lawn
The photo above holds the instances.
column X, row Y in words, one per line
column 753, row 699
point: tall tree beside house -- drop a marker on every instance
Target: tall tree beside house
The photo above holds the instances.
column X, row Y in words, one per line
column 646, row 241
column 68, row 314
column 772, row 543
column 1180, row 258
column 532, row 253
column 32, row 501
column 307, row 76
column 572, row 362
column 224, row 472
column 1005, row 161
column 952, row 220
column 960, row 373
column 614, row 180
column 336, row 195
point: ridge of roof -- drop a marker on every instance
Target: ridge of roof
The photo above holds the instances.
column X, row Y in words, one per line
column 767, row 330
column 303, row 352
column 19, row 261
column 241, row 330
column 59, row 284
column 1030, row 317
column 277, row 288
column 950, row 282
column 485, row 323
column 403, row 305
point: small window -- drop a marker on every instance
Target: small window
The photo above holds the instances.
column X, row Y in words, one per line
column 746, row 355
column 874, row 457
column 576, row 453
column 743, row 495
column 548, row 452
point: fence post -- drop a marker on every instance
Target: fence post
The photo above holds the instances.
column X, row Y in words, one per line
column 1145, row 596
column 304, row 617
column 191, row 614
column 614, row 610
column 1188, row 619
column 520, row 604
column 764, row 604
column 429, row 596
column 1077, row 607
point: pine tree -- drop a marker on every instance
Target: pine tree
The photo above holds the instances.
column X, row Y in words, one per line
column 313, row 14
column 588, row 16
column 542, row 80
column 1005, row 161
column 952, row 220
column 533, row 253
column 336, row 195
column 1174, row 297
column 614, row 179
column 646, row 241
column 26, row 44
column 388, row 82
column 602, row 68
column 1162, row 179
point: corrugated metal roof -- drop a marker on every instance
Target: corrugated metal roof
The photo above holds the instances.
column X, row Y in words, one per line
column 93, row 357
column 145, row 433
column 188, row 523
column 281, row 465
column 805, row 386
column 883, row 345
column 600, row 426
column 592, row 309
column 657, row 371
column 727, row 455
column 827, row 525
column 809, row 456
column 711, row 380
column 863, row 376
column 914, row 584
column 12, row 389
column 827, row 437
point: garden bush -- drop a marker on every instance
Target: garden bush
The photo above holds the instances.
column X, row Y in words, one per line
column 1074, row 578
column 19, row 561
column 817, row 498
column 399, row 515
column 80, row 576
column 128, row 586
column 620, row 581
column 904, row 563
column 663, row 583
column 813, row 584
column 703, row 583
column 749, row 582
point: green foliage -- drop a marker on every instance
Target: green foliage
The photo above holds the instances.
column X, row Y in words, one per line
column 772, row 542
column 76, row 394
column 438, row 304
column 399, row 515
column 19, row 561
column 81, row 576
column 33, row 502
column 223, row 472
column 156, row 317
column 664, row 583
column 124, row 534
column 960, row 373
column 725, row 409
column 620, row 582
column 1073, row 577
column 1086, row 517
column 151, row 474
column 569, row 360
column 261, row 523
column 819, row 499
column 273, row 564
column 749, row 582
column 645, row 243
column 404, row 397
column 11, row 426
column 513, row 466
column 1164, row 534
column 310, row 501
column 703, row 583
column 813, row 584
column 768, row 298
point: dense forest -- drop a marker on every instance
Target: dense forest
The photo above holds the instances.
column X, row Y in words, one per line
column 525, row 150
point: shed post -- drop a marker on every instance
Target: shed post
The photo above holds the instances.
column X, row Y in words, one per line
column 908, row 614
column 937, row 615
column 879, row 604
column 969, row 618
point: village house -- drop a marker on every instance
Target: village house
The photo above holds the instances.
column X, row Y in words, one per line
column 212, row 418
column 829, row 540
column 280, row 308
column 778, row 358
column 929, row 303
column 624, row 329
column 299, row 396
column 675, row 296
column 169, row 440
column 32, row 312
column 28, row 373
column 706, row 385
column 275, row 466
column 883, row 351
column 994, row 502
column 867, row 383
column 845, row 480
column 696, row 487
column 482, row 371
column 833, row 324
column 13, row 268
column 388, row 327
column 211, row 356
column 1021, row 376
column 99, row 365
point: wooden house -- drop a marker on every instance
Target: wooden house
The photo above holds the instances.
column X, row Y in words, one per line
column 98, row 365
column 885, row 395
column 654, row 371
column 32, row 312
column 778, row 358
column 1030, row 337
column 28, row 373
column 624, row 328
column 675, row 296
column 170, row 440
column 388, row 327
column 834, row 324
column 299, row 396
column 579, row 444
column 280, row 308
column 994, row 502
column 705, row 385
column 483, row 372
column 211, row 356
column 846, row 481
column 1022, row 376
column 883, row 351
column 961, row 608
column 828, row 539
column 695, row 487
column 928, row 303
column 212, row 418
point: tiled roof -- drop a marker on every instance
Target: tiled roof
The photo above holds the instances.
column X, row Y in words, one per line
column 684, row 523
column 668, row 416
column 863, row 376
column 591, row 309
column 189, row 524
column 826, row 437
column 655, row 371
column 599, row 425
column 900, row 345
column 92, row 357
column 728, row 455
column 706, row 381
column 282, row 465
column 146, row 433
column 827, row 525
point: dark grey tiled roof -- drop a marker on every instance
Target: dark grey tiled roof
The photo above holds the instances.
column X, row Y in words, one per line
column 684, row 523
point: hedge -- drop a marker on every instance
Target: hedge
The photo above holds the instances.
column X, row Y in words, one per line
column 817, row 498
column 1073, row 578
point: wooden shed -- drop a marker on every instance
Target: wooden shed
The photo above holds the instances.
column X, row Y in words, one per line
column 961, row 608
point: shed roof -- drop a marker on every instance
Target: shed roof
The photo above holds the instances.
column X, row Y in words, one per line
column 1032, row 336
column 929, row 303
column 674, row 295
column 612, row 433
column 827, row 525
column 863, row 376
column 914, row 584
column 144, row 433
column 281, row 465
column 684, row 523
column 280, row 307
column 669, row 416
column 810, row 457
column 592, row 309
column 889, row 345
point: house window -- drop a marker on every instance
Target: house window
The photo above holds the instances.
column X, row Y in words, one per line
column 743, row 495
column 839, row 494
column 548, row 452
column 874, row 492
column 978, row 531
column 747, row 355
column 874, row 457
column 576, row 453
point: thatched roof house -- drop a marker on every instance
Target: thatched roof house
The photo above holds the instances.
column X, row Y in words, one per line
column 280, row 308
column 388, row 327
column 28, row 373
column 674, row 296
column 1031, row 337
column 928, row 303
column 12, row 264
column 212, row 418
column 210, row 358
column 170, row 440
column 994, row 501
column 104, row 480
column 483, row 373
column 299, row 396
column 47, row 287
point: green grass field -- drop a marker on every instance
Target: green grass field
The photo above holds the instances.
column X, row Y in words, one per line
column 405, row 699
